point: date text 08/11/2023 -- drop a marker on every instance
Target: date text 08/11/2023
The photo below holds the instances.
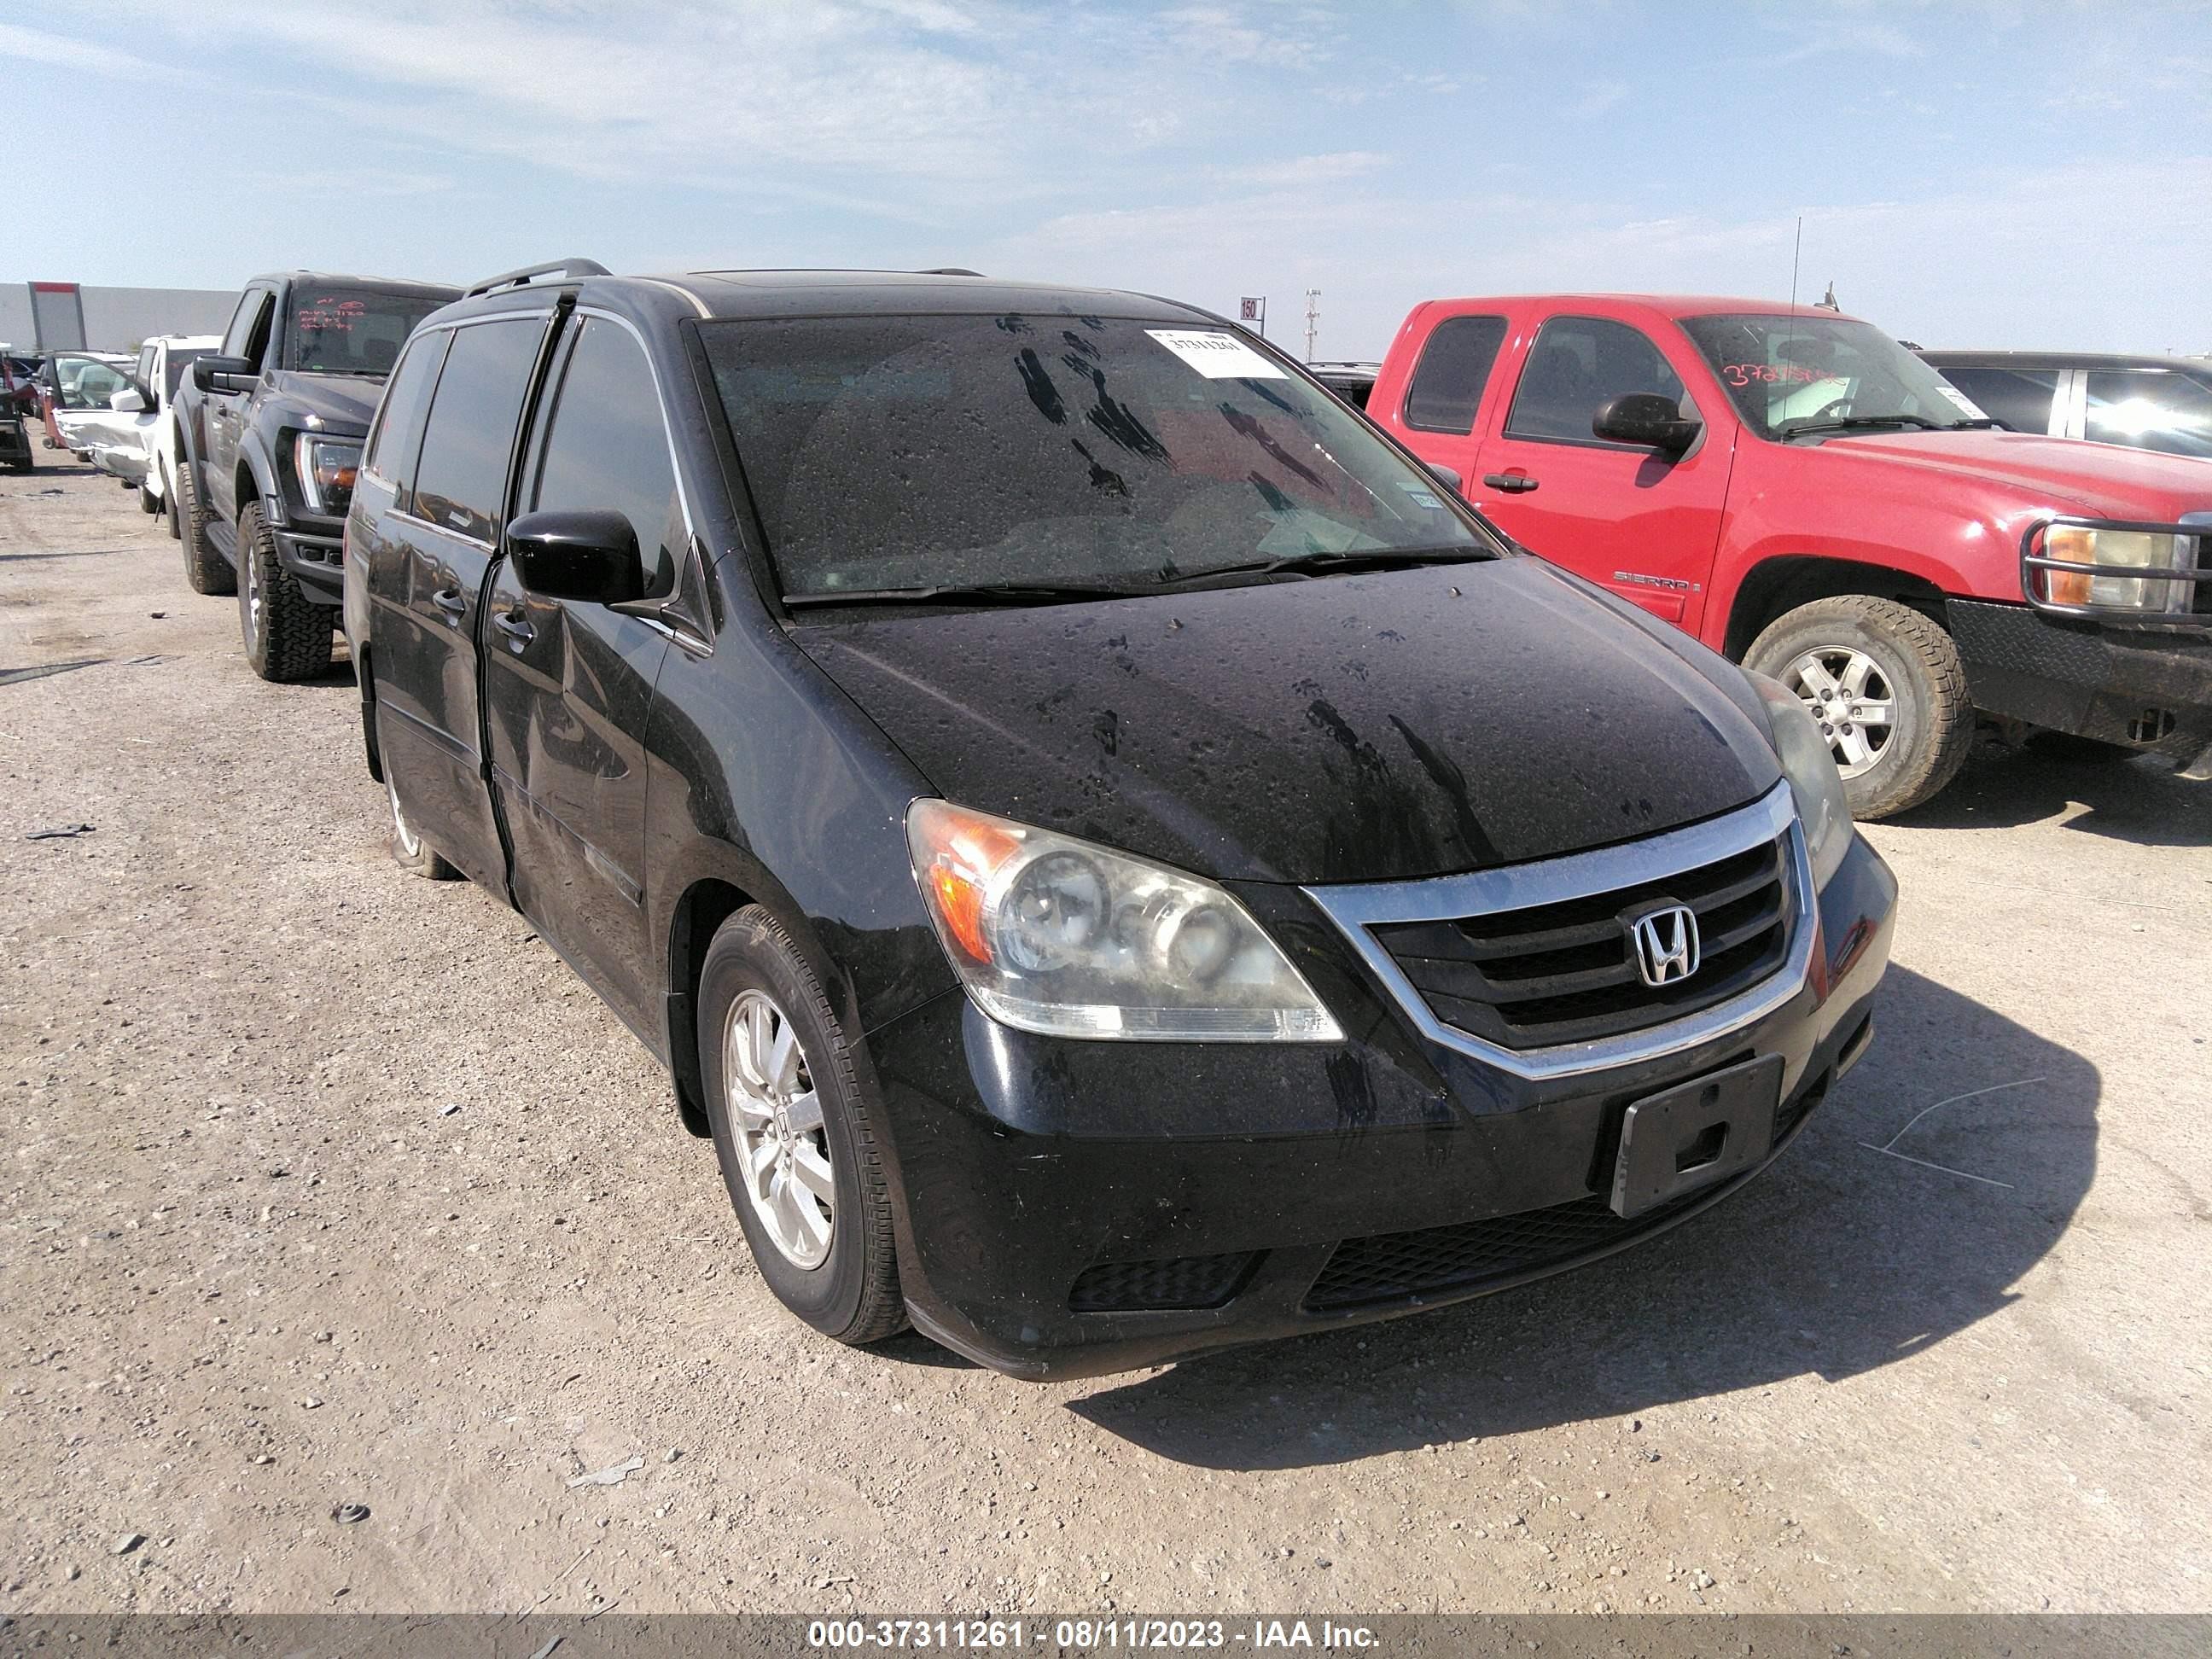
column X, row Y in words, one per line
column 1085, row 1634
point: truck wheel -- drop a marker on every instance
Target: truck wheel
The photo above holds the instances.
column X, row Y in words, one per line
column 206, row 571
column 409, row 850
column 287, row 635
column 169, row 506
column 1884, row 684
column 796, row 1131
column 149, row 502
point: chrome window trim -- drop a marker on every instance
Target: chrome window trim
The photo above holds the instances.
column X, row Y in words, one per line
column 1358, row 908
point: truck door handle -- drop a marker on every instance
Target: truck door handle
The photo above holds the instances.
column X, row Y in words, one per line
column 1513, row 483
column 515, row 626
column 450, row 601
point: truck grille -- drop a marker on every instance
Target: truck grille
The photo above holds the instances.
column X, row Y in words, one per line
column 1566, row 972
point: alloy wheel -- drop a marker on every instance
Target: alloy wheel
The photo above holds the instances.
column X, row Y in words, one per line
column 1851, row 699
column 776, row 1117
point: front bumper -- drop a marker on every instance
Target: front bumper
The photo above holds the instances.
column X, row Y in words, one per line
column 314, row 550
column 1053, row 1195
column 2150, row 689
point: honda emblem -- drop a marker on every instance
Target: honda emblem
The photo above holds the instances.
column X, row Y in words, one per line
column 1665, row 942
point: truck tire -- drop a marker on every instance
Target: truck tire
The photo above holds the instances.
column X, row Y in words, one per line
column 1884, row 684
column 784, row 1097
column 169, row 506
column 149, row 502
column 287, row 635
column 409, row 850
column 206, row 571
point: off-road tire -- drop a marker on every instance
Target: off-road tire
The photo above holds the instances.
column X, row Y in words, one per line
column 206, row 571
column 287, row 635
column 1933, row 728
column 854, row 1295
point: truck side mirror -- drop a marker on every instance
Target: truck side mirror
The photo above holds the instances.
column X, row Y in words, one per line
column 225, row 373
column 129, row 401
column 1648, row 420
column 587, row 556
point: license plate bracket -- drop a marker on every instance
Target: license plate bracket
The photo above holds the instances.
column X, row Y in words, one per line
column 1696, row 1133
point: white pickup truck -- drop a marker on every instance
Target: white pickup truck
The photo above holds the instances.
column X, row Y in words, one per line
column 134, row 439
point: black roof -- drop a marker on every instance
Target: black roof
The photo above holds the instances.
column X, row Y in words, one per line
column 1954, row 359
column 374, row 284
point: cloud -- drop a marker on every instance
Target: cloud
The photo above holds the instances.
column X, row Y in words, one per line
column 1331, row 168
column 37, row 46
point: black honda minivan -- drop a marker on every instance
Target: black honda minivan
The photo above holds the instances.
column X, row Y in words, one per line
column 1119, row 859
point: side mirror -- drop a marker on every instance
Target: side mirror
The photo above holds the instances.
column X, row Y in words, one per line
column 225, row 373
column 590, row 556
column 129, row 401
column 1445, row 476
column 1648, row 421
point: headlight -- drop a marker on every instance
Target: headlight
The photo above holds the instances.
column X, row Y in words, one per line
column 2119, row 550
column 1056, row 935
column 1810, row 766
column 326, row 468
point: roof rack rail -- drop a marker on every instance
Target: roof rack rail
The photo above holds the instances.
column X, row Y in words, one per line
column 948, row 270
column 567, row 270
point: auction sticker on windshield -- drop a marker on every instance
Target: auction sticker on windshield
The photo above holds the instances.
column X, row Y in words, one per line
column 1218, row 356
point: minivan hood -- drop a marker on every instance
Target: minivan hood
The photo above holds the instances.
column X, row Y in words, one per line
column 345, row 403
column 2095, row 480
column 1347, row 728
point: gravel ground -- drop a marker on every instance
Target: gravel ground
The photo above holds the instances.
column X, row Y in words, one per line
column 329, row 1186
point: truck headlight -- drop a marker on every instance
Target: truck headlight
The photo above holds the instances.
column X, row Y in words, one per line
column 1810, row 766
column 1056, row 935
column 2118, row 551
column 326, row 469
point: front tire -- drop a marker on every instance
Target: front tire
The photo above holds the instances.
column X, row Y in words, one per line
column 1886, row 686
column 797, row 1132
column 206, row 571
column 287, row 635
column 409, row 850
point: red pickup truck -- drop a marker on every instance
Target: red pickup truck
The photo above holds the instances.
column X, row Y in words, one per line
column 1809, row 499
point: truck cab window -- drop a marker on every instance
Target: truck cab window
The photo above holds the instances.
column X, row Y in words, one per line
column 2149, row 408
column 607, row 448
column 1455, row 366
column 1578, row 365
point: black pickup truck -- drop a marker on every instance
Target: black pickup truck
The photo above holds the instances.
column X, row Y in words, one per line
column 267, row 440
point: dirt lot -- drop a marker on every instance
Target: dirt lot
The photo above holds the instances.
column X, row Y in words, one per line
column 1951, row 1353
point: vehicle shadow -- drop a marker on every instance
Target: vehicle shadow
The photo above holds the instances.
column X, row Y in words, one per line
column 1839, row 1260
column 2143, row 799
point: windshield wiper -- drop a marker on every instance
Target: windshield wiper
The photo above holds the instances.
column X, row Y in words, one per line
column 958, row 592
column 1860, row 423
column 1324, row 564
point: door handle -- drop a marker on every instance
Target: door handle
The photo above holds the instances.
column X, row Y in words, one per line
column 516, row 626
column 451, row 601
column 1513, row 483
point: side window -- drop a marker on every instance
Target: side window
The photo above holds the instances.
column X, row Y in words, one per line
column 1580, row 364
column 242, row 320
column 607, row 448
column 1455, row 366
column 2151, row 408
column 398, row 435
column 2016, row 398
column 265, row 327
column 461, row 478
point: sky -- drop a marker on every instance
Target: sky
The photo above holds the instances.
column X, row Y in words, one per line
column 1970, row 173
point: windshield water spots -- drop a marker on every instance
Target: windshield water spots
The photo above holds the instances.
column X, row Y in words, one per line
column 1061, row 451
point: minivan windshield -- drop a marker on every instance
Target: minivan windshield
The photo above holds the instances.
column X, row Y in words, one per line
column 1788, row 374
column 351, row 330
column 1042, row 452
